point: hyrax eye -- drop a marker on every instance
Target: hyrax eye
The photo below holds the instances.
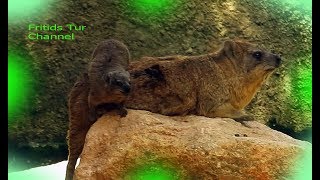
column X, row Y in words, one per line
column 257, row 55
column 119, row 83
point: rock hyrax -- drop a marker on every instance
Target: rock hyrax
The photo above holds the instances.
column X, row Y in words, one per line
column 104, row 88
column 109, row 78
column 219, row 84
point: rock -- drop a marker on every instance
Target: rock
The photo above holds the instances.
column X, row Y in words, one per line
column 85, row 5
column 189, row 51
column 191, row 147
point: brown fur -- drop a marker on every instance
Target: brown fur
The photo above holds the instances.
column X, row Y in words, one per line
column 110, row 60
column 78, row 121
column 218, row 84
column 95, row 93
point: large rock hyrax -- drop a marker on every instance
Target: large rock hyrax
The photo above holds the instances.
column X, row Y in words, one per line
column 219, row 84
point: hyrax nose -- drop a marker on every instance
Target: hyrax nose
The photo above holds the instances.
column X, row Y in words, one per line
column 278, row 60
column 126, row 88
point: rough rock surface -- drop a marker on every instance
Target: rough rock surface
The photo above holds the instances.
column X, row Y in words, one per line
column 192, row 147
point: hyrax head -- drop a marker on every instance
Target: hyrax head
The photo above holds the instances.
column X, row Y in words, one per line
column 249, row 58
column 118, row 81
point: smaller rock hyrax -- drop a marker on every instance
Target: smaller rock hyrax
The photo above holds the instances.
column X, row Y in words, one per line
column 219, row 84
column 108, row 78
column 104, row 88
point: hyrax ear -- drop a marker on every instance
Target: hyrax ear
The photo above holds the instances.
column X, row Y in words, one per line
column 231, row 49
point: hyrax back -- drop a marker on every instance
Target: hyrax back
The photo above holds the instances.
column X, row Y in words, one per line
column 219, row 84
